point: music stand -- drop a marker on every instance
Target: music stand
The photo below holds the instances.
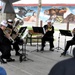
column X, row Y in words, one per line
column 41, row 30
column 23, row 55
column 38, row 30
column 22, row 30
column 65, row 33
column 58, row 48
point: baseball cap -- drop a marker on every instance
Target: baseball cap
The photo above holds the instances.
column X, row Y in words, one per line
column 10, row 20
column 2, row 71
column 49, row 21
column 4, row 23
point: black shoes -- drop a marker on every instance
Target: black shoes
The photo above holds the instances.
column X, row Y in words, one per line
column 10, row 60
column 3, row 61
column 42, row 49
column 17, row 54
column 63, row 54
column 51, row 49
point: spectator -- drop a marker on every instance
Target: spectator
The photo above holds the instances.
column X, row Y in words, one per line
column 2, row 71
column 65, row 67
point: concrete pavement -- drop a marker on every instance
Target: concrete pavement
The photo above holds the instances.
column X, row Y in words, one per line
column 42, row 62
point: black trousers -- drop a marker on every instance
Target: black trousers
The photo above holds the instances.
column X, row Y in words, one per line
column 5, row 50
column 68, row 44
column 18, row 41
column 16, row 47
column 50, row 39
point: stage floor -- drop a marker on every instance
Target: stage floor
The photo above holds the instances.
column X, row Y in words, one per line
column 42, row 62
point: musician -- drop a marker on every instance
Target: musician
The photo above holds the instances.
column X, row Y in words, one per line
column 69, row 43
column 17, row 39
column 5, row 44
column 48, row 35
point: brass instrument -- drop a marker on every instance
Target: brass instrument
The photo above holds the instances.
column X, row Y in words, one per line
column 16, row 28
column 49, row 28
column 73, row 31
column 8, row 31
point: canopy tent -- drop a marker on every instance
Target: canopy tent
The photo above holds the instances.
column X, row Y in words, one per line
column 6, row 10
column 9, row 0
column 45, row 2
column 7, row 6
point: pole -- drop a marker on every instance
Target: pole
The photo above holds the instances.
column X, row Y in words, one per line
column 41, row 23
column 67, row 25
column 38, row 13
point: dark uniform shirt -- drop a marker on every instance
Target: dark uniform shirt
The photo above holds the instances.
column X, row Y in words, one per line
column 5, row 45
column 50, row 31
column 73, row 37
column 3, row 39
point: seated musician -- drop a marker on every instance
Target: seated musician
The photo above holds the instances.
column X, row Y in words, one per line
column 69, row 43
column 48, row 36
column 5, row 44
column 17, row 39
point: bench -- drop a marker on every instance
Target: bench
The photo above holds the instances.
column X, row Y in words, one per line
column 33, row 35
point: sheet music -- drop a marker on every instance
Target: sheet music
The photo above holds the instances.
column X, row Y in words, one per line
column 44, row 30
column 25, row 34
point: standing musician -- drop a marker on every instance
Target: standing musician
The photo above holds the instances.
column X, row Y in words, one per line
column 17, row 39
column 5, row 44
column 48, row 36
column 69, row 43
